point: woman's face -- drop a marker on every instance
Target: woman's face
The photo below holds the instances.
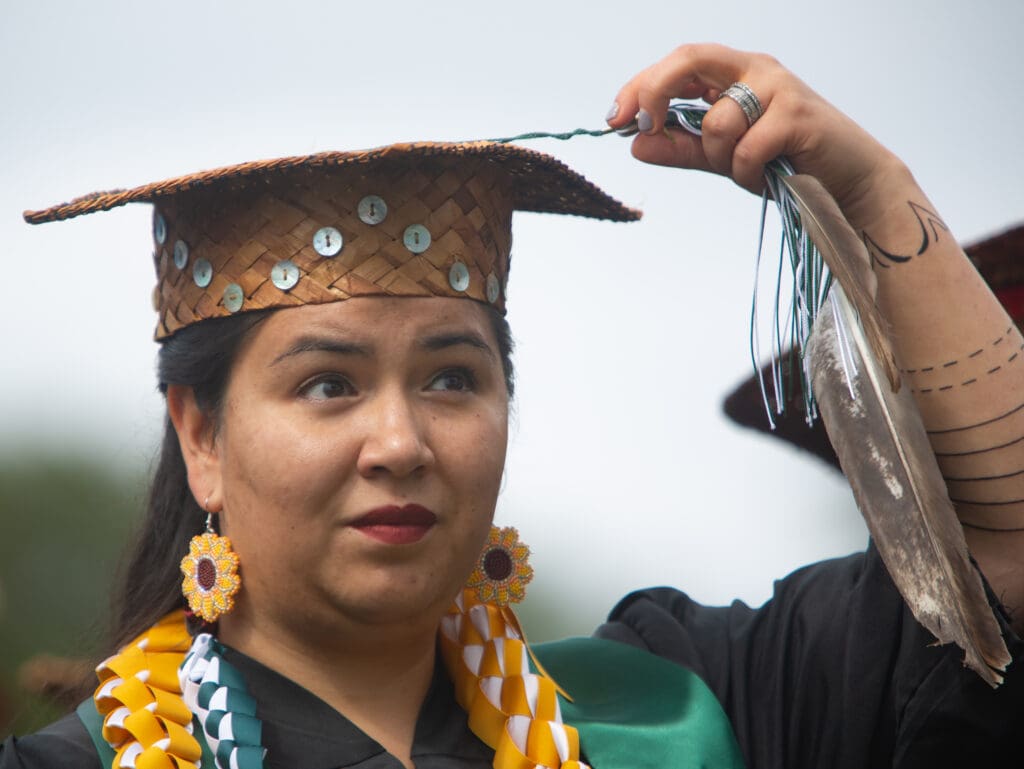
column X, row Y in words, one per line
column 358, row 458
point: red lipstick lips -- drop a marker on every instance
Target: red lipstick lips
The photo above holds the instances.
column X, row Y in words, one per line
column 395, row 525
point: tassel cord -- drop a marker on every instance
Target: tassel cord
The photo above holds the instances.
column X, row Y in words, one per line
column 811, row 278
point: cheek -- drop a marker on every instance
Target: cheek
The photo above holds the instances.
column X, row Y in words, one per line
column 477, row 458
column 278, row 478
column 483, row 450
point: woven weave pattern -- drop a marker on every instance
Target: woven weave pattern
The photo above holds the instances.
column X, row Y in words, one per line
column 243, row 235
column 538, row 182
column 240, row 237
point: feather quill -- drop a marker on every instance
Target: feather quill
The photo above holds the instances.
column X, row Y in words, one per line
column 847, row 260
column 884, row 450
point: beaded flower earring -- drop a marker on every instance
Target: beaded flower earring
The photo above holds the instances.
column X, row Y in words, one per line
column 502, row 571
column 210, row 574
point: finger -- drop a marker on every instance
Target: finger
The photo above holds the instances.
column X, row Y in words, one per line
column 766, row 140
column 722, row 128
column 671, row 148
column 626, row 106
column 685, row 73
column 627, row 101
column 671, row 77
column 706, row 64
column 693, row 69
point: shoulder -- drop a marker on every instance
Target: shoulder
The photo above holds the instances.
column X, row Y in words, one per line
column 836, row 644
column 618, row 693
column 64, row 744
column 670, row 623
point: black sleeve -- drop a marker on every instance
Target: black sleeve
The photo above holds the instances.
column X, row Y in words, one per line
column 64, row 744
column 834, row 671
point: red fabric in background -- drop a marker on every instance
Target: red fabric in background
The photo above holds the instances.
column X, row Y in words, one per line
column 1012, row 299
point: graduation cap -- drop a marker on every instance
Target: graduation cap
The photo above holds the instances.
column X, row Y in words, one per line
column 420, row 219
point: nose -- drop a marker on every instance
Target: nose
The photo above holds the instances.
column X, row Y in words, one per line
column 396, row 442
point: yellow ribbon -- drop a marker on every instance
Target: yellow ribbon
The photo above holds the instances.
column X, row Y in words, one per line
column 139, row 697
column 511, row 709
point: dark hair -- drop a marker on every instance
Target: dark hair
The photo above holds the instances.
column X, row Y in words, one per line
column 199, row 356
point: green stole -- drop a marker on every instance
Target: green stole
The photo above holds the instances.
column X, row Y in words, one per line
column 633, row 710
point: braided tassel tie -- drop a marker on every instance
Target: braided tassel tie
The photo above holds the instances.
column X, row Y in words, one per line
column 145, row 720
column 216, row 693
column 512, row 710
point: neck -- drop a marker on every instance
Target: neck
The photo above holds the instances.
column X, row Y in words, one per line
column 377, row 676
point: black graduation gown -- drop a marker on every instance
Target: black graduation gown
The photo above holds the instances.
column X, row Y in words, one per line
column 833, row 673
column 300, row 731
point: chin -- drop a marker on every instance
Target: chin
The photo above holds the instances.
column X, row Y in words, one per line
column 402, row 602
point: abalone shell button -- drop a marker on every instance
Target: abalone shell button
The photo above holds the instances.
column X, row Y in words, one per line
column 372, row 209
column 327, row 241
column 284, row 275
column 416, row 238
column 180, row 254
column 233, row 297
column 159, row 228
column 458, row 276
column 202, row 272
column 493, row 288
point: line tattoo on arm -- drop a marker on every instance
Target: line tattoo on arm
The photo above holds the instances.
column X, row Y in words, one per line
column 929, row 223
column 921, row 374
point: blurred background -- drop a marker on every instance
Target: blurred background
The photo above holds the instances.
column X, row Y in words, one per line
column 622, row 471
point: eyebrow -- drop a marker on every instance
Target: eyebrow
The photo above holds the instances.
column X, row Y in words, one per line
column 444, row 341
column 320, row 344
column 338, row 347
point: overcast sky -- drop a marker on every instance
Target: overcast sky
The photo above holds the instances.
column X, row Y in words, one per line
column 622, row 472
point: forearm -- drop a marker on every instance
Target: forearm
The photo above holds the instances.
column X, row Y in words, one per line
column 954, row 341
column 963, row 360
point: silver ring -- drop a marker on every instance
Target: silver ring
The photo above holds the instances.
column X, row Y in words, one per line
column 747, row 101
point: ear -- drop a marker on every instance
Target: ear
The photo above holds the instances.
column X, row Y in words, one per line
column 196, row 437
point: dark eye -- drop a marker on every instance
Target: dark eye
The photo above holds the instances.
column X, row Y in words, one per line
column 325, row 387
column 452, row 380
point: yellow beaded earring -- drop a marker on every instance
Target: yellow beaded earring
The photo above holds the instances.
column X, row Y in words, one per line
column 210, row 572
column 502, row 571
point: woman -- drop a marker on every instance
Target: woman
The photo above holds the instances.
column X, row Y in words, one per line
column 352, row 452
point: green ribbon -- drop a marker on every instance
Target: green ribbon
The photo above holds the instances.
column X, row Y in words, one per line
column 93, row 723
column 634, row 710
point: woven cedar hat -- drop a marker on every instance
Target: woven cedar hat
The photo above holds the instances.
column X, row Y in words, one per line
column 423, row 219
column 999, row 259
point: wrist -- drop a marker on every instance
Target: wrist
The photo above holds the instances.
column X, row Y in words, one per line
column 869, row 203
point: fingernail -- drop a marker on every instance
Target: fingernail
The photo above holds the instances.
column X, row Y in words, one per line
column 612, row 113
column 644, row 121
